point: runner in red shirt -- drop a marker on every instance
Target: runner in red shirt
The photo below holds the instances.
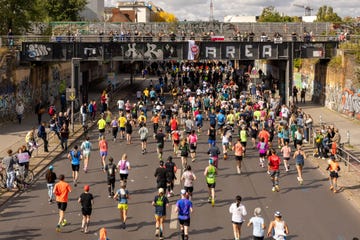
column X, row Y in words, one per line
column 273, row 169
column 173, row 124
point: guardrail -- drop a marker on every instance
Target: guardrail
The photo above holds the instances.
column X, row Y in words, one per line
column 15, row 42
column 350, row 160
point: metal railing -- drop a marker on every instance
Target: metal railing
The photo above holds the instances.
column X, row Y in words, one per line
column 349, row 159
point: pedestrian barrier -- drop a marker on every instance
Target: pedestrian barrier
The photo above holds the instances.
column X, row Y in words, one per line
column 349, row 159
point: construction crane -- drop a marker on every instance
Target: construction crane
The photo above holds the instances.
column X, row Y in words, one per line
column 307, row 9
column 211, row 18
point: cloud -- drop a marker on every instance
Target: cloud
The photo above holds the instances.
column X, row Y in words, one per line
column 193, row 10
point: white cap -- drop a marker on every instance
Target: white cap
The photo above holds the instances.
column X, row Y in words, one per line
column 183, row 192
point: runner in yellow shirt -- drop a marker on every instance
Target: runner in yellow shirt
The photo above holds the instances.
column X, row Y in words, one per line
column 122, row 122
column 101, row 126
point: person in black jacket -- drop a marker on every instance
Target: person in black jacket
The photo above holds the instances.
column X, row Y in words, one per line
column 43, row 135
column 50, row 177
column 160, row 174
column 171, row 169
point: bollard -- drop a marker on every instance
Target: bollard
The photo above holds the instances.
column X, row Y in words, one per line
column 348, row 137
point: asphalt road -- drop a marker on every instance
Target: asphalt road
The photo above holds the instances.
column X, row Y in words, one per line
column 311, row 210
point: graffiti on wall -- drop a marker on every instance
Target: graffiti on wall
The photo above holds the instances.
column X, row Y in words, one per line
column 350, row 102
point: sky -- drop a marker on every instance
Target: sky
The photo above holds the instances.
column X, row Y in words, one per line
column 195, row 10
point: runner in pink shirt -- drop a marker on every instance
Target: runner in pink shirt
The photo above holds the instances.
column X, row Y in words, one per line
column 192, row 139
column 286, row 151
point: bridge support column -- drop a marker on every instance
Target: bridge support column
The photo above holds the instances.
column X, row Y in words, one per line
column 289, row 73
column 75, row 74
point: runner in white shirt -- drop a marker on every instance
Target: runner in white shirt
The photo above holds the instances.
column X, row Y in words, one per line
column 86, row 148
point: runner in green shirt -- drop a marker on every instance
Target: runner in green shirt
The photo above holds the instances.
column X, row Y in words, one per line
column 210, row 175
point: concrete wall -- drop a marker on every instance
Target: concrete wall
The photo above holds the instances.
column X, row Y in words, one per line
column 337, row 88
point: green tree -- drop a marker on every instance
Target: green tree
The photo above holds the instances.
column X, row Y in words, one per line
column 63, row 10
column 327, row 14
column 269, row 14
column 18, row 15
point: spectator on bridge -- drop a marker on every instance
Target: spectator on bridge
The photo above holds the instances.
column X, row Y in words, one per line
column 263, row 37
column 294, row 36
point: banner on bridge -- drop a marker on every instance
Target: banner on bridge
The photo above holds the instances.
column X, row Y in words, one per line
column 140, row 51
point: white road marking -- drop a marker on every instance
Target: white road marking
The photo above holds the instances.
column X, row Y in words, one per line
column 178, row 176
column 173, row 218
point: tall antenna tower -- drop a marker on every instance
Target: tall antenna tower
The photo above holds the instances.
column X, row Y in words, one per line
column 211, row 11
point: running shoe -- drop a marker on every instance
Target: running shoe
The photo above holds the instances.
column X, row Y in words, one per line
column 273, row 189
column 238, row 171
column 209, row 200
column 123, row 225
column 212, row 202
column 277, row 188
column 58, row 229
column 64, row 223
column 157, row 232
column 331, row 188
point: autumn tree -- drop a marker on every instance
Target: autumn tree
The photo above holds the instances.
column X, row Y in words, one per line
column 327, row 14
column 163, row 16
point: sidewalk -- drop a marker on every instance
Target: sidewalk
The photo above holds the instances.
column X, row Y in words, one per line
column 349, row 180
column 12, row 135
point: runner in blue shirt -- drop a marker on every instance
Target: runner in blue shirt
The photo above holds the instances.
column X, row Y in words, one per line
column 184, row 209
column 75, row 156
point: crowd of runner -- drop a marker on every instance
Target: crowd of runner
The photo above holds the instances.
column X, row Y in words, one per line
column 234, row 113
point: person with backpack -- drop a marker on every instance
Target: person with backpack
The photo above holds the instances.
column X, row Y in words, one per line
column 122, row 196
column 75, row 156
column 43, row 135
column 86, row 148
column 110, row 170
column 160, row 203
column 123, row 167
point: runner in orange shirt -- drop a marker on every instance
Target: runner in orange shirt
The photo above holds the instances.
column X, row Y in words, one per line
column 239, row 153
column 61, row 191
column 155, row 119
column 264, row 134
column 103, row 147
